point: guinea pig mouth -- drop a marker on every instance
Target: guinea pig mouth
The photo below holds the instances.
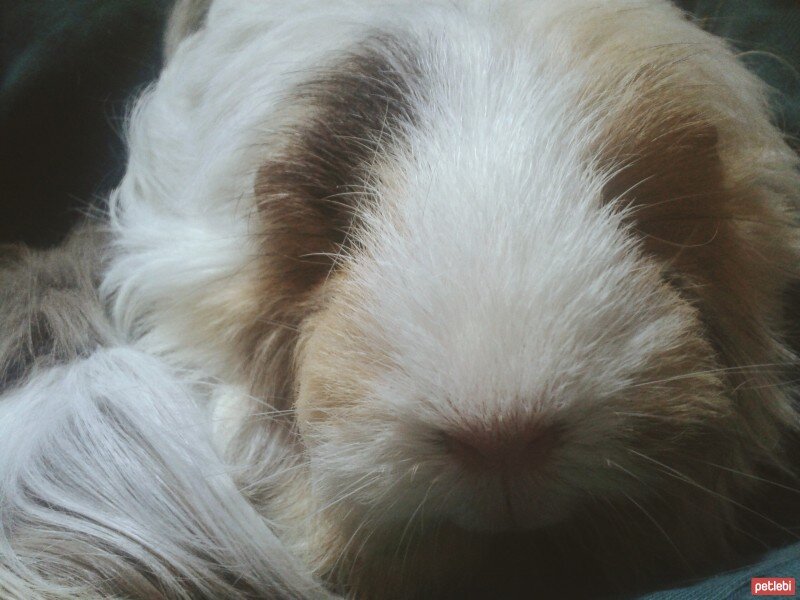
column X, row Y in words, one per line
column 503, row 505
column 503, row 477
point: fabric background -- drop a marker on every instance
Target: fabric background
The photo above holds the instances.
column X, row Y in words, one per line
column 69, row 69
column 734, row 585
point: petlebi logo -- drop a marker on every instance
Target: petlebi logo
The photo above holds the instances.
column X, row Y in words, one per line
column 773, row 586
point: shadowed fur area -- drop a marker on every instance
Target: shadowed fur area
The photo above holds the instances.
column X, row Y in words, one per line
column 50, row 310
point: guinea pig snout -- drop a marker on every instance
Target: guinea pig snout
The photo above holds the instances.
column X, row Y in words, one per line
column 502, row 469
column 496, row 447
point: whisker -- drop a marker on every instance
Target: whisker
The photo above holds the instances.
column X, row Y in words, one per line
column 753, row 477
column 757, row 368
column 672, row 472
column 646, row 513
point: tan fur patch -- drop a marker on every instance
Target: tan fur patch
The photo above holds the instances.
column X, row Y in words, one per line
column 723, row 244
column 310, row 195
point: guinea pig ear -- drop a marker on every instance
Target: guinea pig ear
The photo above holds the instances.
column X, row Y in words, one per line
column 187, row 17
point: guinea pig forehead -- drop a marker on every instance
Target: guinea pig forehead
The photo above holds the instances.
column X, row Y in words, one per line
column 311, row 193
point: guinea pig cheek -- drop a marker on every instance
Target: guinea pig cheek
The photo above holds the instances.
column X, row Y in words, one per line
column 337, row 422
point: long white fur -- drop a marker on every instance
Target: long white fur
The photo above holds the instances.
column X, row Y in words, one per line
column 109, row 487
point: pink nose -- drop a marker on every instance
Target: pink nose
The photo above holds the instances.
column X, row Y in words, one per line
column 502, row 448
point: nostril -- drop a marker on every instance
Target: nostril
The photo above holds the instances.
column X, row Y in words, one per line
column 467, row 449
column 482, row 448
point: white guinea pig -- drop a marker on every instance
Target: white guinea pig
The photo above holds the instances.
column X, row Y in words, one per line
column 493, row 290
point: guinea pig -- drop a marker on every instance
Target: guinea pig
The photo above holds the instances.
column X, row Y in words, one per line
column 490, row 293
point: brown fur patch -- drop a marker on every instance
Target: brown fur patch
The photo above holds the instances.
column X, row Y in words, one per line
column 310, row 195
column 721, row 241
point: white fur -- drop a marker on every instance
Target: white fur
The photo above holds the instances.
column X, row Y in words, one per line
column 108, row 475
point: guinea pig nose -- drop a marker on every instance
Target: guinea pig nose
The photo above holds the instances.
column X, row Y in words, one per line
column 486, row 448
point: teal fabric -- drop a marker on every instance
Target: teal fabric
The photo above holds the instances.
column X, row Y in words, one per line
column 68, row 69
column 767, row 33
column 730, row 586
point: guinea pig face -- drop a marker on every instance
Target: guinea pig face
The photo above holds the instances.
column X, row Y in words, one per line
column 534, row 288
column 497, row 392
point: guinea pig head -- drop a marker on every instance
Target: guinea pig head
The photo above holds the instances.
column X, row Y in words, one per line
column 515, row 302
column 520, row 309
